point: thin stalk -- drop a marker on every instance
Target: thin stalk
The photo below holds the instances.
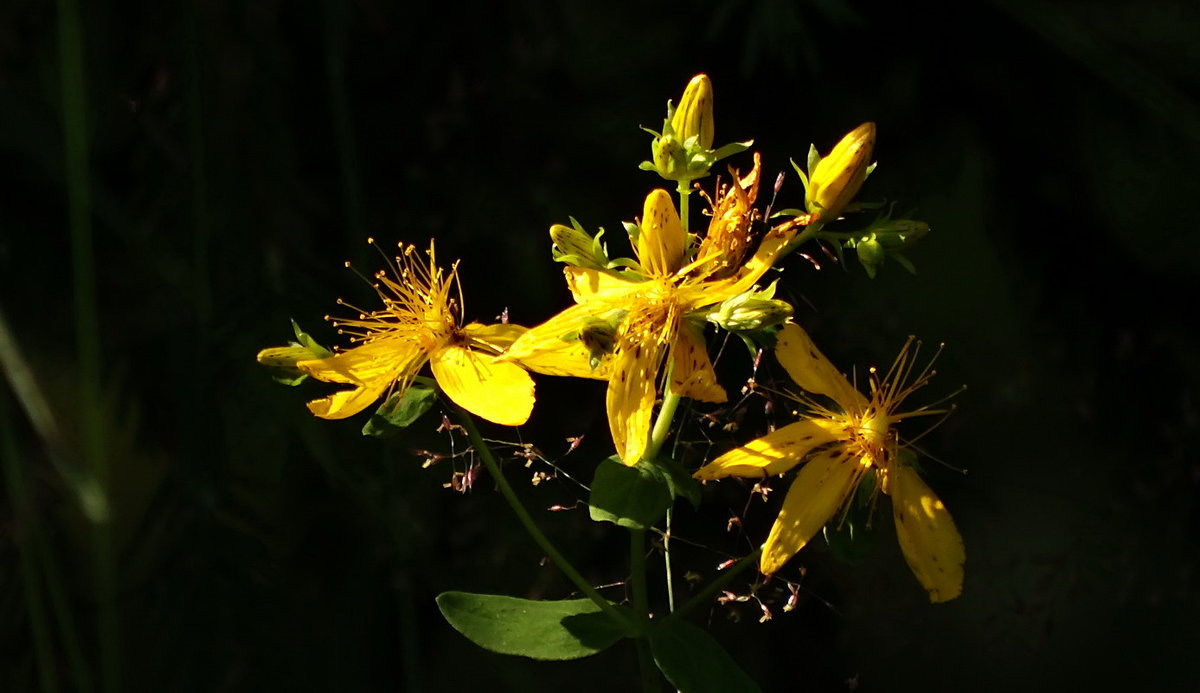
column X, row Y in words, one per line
column 704, row 595
column 489, row 460
column 807, row 234
column 641, row 606
column 87, row 329
column 685, row 192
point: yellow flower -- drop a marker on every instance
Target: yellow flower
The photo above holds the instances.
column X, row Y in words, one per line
column 842, row 445
column 420, row 322
column 651, row 314
column 835, row 179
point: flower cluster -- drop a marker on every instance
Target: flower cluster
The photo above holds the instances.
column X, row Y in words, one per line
column 643, row 323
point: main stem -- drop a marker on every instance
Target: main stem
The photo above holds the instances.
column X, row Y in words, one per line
column 489, row 460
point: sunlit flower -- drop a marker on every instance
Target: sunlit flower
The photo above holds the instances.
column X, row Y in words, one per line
column 653, row 308
column 421, row 322
column 839, row 447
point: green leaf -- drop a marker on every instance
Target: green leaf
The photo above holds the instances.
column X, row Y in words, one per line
column 633, row 497
column 549, row 630
column 693, row 662
column 400, row 410
column 679, row 481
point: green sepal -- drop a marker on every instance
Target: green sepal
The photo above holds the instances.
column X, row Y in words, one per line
column 401, row 409
column 546, row 630
column 693, row 661
column 282, row 360
column 632, row 497
column 730, row 149
column 904, row 262
column 305, row 340
column 804, row 179
column 814, row 158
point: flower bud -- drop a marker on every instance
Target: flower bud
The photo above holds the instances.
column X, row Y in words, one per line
column 694, row 115
column 574, row 246
column 871, row 254
column 750, row 311
column 835, row 179
column 661, row 241
column 896, row 234
column 600, row 338
column 282, row 360
column 669, row 156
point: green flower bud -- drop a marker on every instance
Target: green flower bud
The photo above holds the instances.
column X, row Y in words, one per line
column 750, row 312
column 670, row 158
column 897, row 234
column 871, row 254
column 282, row 360
column 835, row 179
column 600, row 338
column 574, row 246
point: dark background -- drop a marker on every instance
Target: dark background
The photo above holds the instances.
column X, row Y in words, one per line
column 238, row 152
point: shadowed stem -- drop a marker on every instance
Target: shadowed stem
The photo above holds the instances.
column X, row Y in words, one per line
column 489, row 460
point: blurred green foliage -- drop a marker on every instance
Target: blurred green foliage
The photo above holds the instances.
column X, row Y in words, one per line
column 237, row 152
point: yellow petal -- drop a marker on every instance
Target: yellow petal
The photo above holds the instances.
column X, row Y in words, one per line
column 372, row 368
column 775, row 241
column 812, row 371
column 496, row 337
column 774, row 453
column 692, row 374
column 661, row 242
column 498, row 391
column 631, row 392
column 821, row 487
column 591, row 284
column 930, row 541
column 554, row 348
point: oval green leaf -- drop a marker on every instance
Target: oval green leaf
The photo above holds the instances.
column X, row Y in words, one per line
column 634, row 497
column 695, row 663
column 549, row 630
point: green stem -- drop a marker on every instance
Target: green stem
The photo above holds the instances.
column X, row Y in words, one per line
column 641, row 606
column 706, row 594
column 666, row 539
column 489, row 460
column 685, row 192
column 804, row 236
column 662, row 425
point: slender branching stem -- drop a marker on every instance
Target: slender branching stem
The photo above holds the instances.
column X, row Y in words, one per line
column 489, row 460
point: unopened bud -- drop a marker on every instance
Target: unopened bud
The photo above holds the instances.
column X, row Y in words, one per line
column 871, row 254
column 835, row 179
column 694, row 115
column 670, row 158
column 574, row 246
column 896, row 234
column 749, row 312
